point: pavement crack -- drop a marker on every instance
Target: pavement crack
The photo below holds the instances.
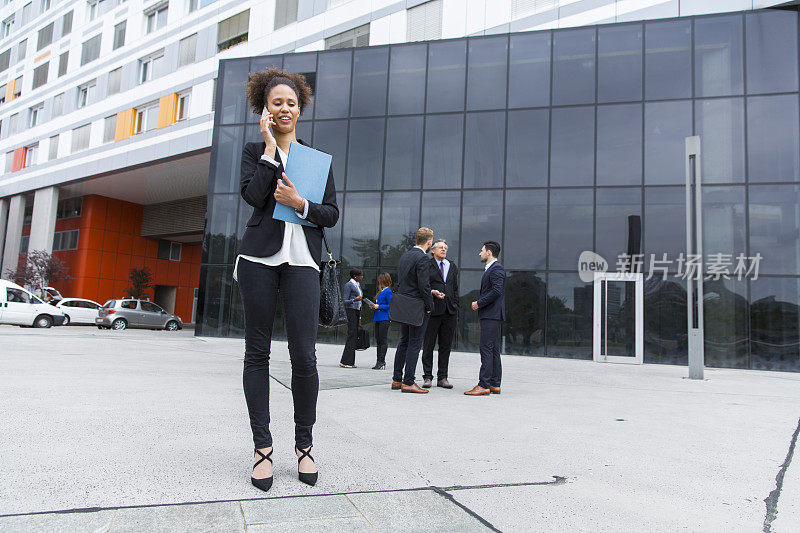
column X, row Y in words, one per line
column 359, row 512
column 772, row 500
column 446, row 495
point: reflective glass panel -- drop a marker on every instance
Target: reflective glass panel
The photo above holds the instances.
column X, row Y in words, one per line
column 360, row 225
column 774, row 226
column 213, row 309
column 571, row 223
column 330, row 136
column 718, row 60
column 772, row 138
column 720, row 125
column 441, row 211
column 572, row 146
column 771, row 51
column 485, row 149
column 726, row 334
column 665, row 320
column 527, row 148
column 333, row 84
column 569, row 316
column 573, row 66
column 526, row 297
column 469, row 329
column 614, row 206
column 664, row 227
column 365, row 156
column 233, row 105
column 228, row 159
column 399, row 224
column 446, row 63
column 486, row 74
column 619, row 144
column 403, row 166
column 723, row 221
column 666, row 126
column 619, row 63
column 775, row 324
column 668, row 59
column 481, row 221
column 443, row 150
column 525, row 243
column 407, row 79
column 220, row 239
column 369, row 81
column 529, row 70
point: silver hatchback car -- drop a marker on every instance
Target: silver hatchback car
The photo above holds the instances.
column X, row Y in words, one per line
column 132, row 313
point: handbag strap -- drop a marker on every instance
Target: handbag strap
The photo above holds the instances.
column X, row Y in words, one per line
column 327, row 248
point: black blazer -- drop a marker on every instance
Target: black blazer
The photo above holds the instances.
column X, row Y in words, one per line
column 449, row 305
column 414, row 276
column 492, row 301
column 263, row 235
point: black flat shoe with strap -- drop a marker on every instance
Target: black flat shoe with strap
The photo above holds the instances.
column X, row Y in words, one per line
column 263, row 483
column 309, row 478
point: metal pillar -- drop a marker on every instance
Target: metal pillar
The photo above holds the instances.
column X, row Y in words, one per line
column 16, row 215
column 694, row 249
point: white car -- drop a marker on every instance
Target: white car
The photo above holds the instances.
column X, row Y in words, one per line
column 20, row 307
column 78, row 310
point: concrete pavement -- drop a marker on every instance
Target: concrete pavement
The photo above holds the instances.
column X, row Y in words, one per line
column 147, row 431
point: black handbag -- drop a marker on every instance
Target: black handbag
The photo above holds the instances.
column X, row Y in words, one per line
column 362, row 341
column 331, row 301
column 406, row 310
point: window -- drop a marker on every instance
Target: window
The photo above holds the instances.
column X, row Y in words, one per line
column 18, row 87
column 40, row 75
column 58, row 104
column 22, row 49
column 119, row 34
column 26, row 13
column 169, row 250
column 151, row 67
column 109, row 128
column 13, row 124
column 66, row 24
column 349, row 39
column 129, row 304
column 18, row 295
column 285, row 12
column 182, row 109
column 69, row 208
column 233, row 30
column 424, row 21
column 45, row 5
column 3, row 93
column 30, row 155
column 146, row 118
column 114, row 81
column 7, row 27
column 63, row 60
column 86, row 93
column 53, row 152
column 188, row 50
column 35, row 115
column 91, row 49
column 80, row 138
column 65, row 240
column 45, row 36
column 91, row 9
column 5, row 60
column 9, row 161
column 150, row 307
column 156, row 18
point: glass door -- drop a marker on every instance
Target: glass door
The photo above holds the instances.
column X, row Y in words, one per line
column 618, row 323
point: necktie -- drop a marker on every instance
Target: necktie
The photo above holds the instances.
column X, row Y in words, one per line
column 441, row 268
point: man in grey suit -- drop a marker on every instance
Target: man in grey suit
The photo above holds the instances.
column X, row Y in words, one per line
column 352, row 295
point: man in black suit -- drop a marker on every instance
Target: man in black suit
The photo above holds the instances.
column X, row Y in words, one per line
column 491, row 312
column 414, row 279
column 444, row 317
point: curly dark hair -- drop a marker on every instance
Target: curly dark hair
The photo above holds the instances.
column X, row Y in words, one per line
column 260, row 82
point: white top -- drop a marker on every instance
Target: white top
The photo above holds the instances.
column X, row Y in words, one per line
column 294, row 249
column 488, row 264
column 446, row 264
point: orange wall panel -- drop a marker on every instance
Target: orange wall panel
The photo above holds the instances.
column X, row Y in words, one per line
column 125, row 243
column 108, row 265
column 10, row 86
column 122, row 267
column 166, row 110
column 91, row 264
column 19, row 158
column 110, row 241
column 125, row 120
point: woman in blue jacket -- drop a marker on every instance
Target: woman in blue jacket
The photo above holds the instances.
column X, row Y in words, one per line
column 381, row 318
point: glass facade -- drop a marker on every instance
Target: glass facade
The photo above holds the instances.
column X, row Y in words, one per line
column 548, row 142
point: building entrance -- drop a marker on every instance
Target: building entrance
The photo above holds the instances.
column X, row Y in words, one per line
column 618, row 311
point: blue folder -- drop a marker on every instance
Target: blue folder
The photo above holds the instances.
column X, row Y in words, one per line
column 308, row 169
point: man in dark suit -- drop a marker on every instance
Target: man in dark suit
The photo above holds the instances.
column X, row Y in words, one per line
column 414, row 279
column 491, row 312
column 444, row 316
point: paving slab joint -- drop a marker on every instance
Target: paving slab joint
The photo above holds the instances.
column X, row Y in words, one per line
column 771, row 501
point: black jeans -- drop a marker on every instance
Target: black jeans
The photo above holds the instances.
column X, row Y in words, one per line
column 407, row 354
column 349, row 353
column 491, row 371
column 382, row 339
column 259, row 286
column 443, row 328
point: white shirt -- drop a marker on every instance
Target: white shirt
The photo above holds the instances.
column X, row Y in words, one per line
column 294, row 249
column 446, row 264
column 488, row 264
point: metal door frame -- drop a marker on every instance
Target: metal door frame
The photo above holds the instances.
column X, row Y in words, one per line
column 598, row 351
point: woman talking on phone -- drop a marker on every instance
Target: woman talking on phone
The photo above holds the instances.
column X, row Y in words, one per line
column 278, row 259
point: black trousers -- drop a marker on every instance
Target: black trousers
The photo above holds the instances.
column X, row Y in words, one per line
column 349, row 353
column 407, row 354
column 491, row 372
column 259, row 286
column 443, row 328
column 382, row 339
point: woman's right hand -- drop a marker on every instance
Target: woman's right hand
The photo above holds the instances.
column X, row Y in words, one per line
column 357, row 298
column 266, row 134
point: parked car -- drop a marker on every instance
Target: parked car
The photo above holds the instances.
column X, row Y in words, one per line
column 132, row 313
column 79, row 310
column 20, row 307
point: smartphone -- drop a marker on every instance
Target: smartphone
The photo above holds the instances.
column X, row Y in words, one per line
column 264, row 112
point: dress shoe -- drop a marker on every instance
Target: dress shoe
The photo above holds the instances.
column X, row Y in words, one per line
column 427, row 383
column 346, row 366
column 494, row 390
column 444, row 384
column 413, row 388
column 477, row 390
column 396, row 385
